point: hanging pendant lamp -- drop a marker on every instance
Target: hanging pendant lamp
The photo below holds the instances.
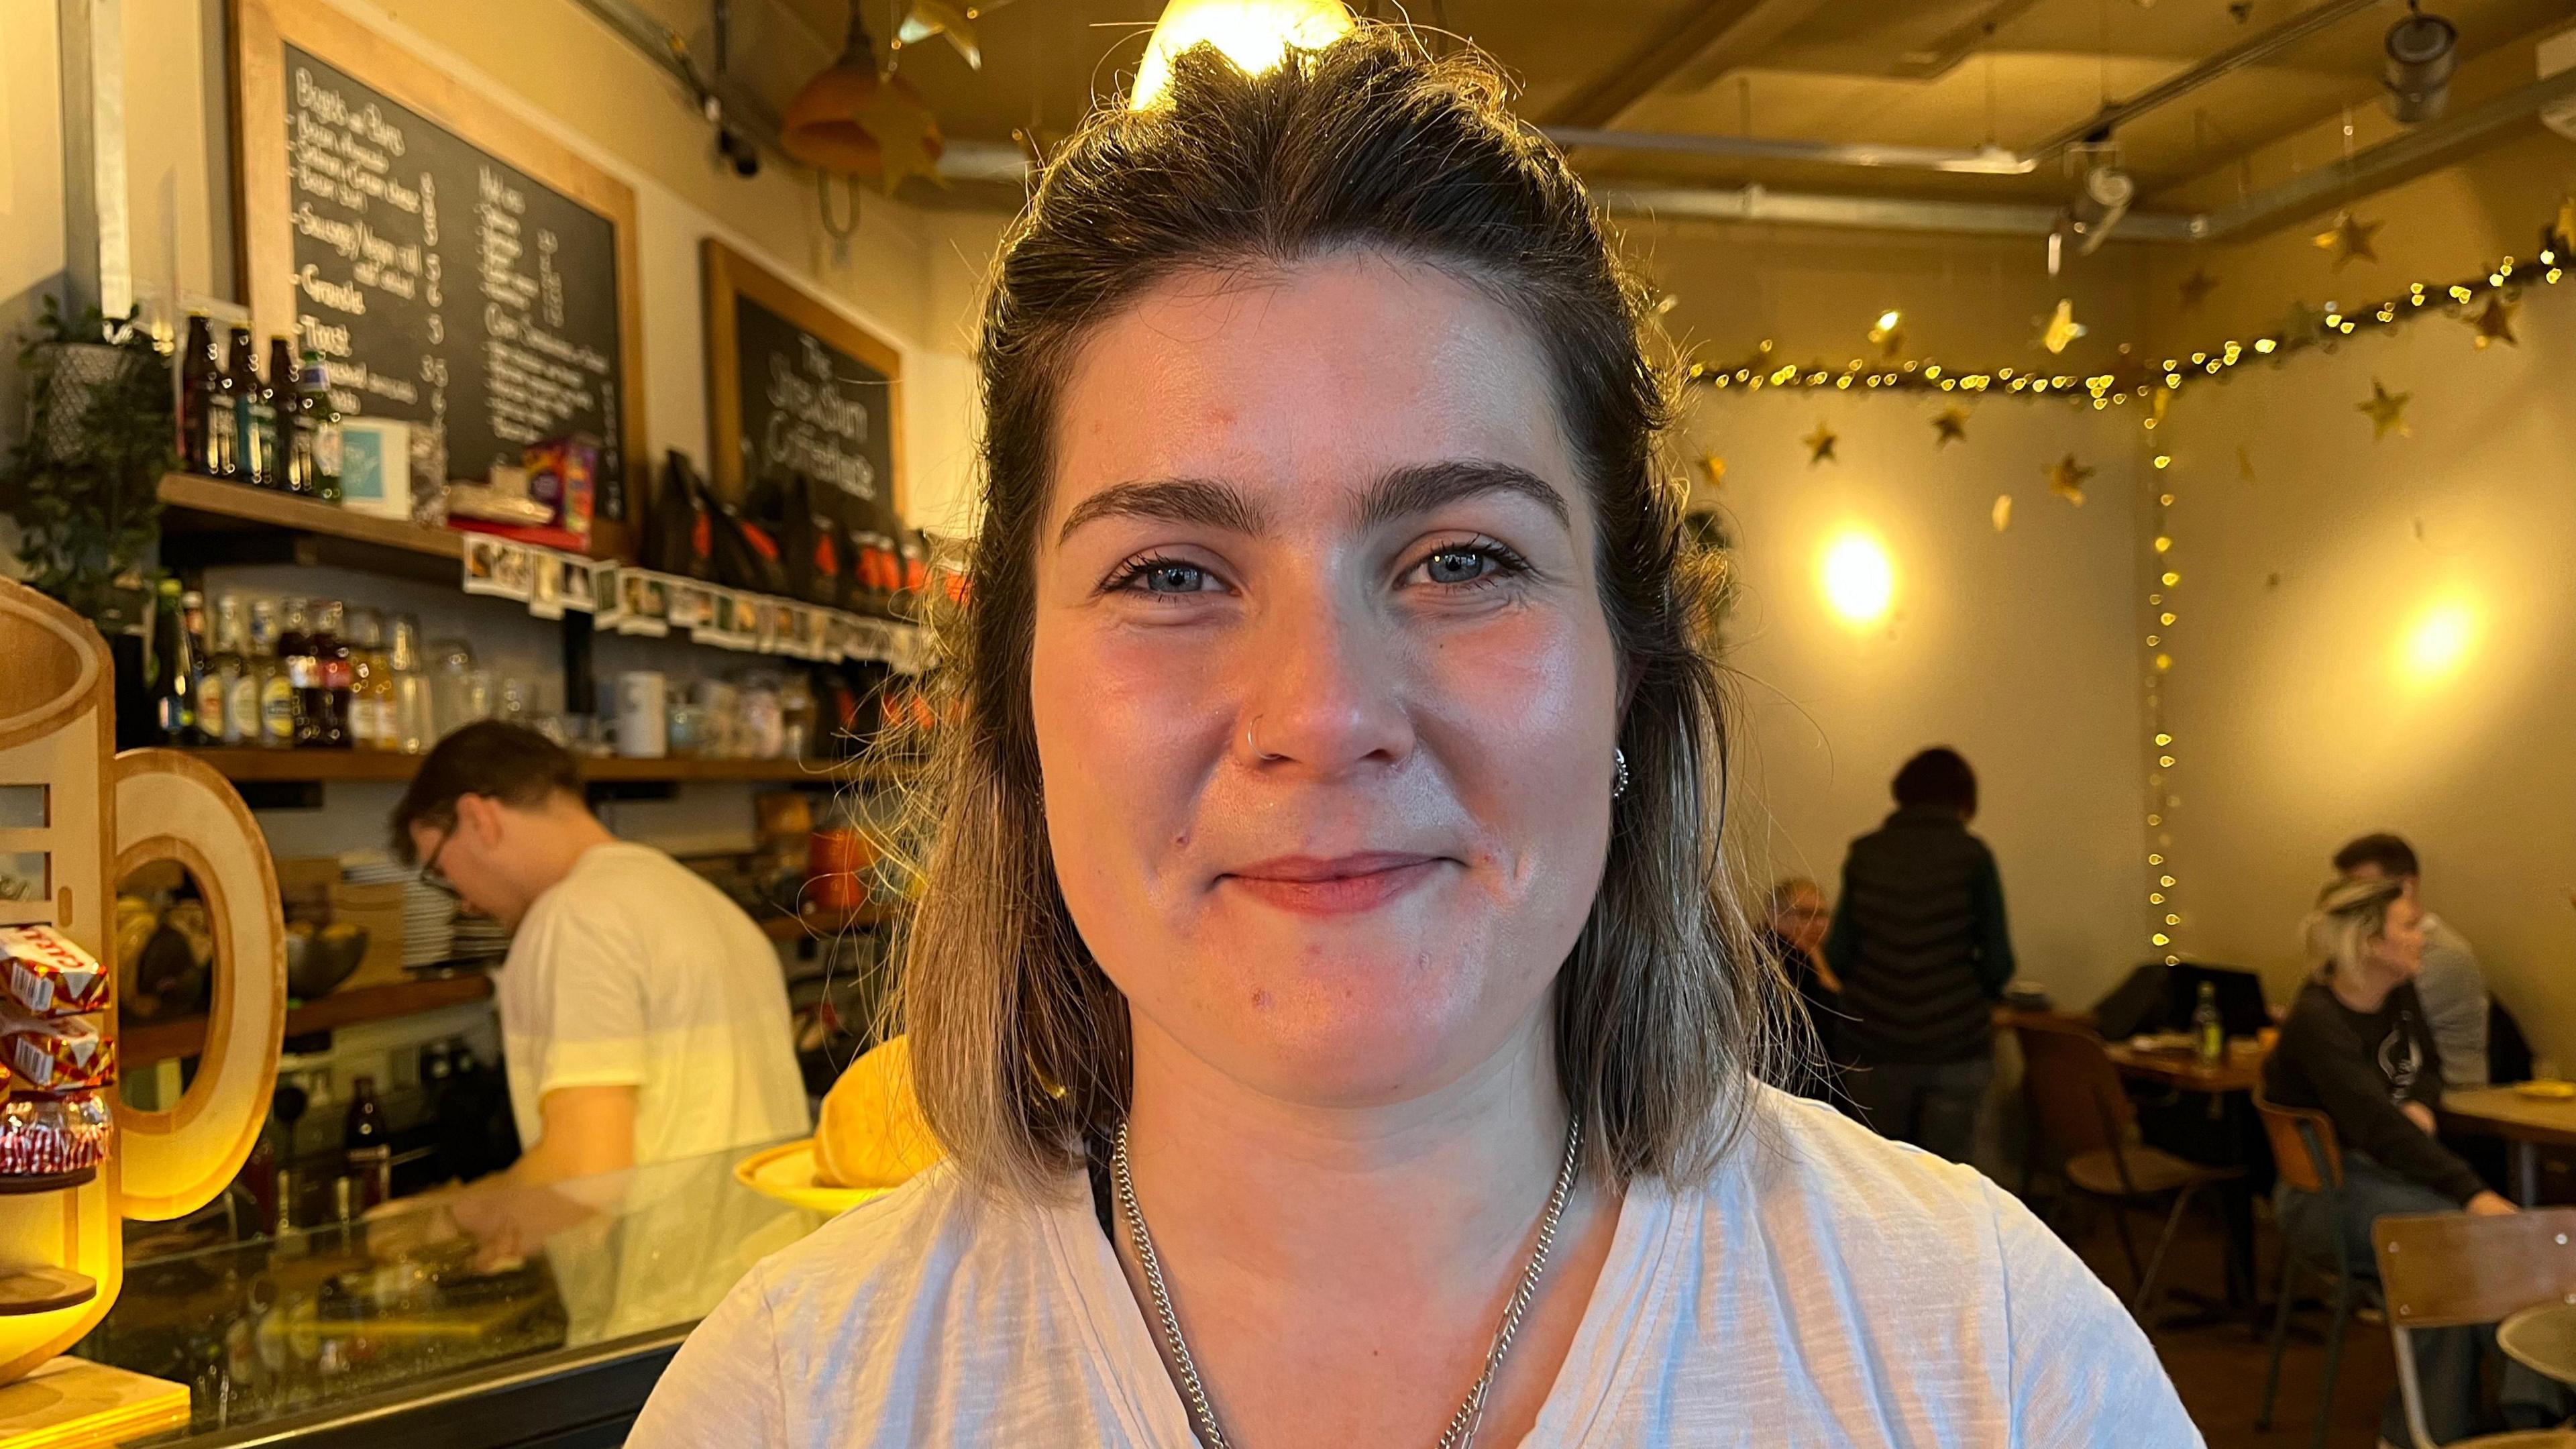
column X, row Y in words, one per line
column 851, row 119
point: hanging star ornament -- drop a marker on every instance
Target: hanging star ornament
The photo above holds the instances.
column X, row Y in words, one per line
column 2066, row 479
column 907, row 135
column 2387, row 411
column 2062, row 327
column 1713, row 468
column 2495, row 323
column 2300, row 325
column 1951, row 426
column 2003, row 512
column 1820, row 444
column 2196, row 288
column 2349, row 239
column 923, row 19
column 2242, row 10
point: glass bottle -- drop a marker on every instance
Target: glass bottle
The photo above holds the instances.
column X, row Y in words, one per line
column 206, row 684
column 318, row 423
column 303, row 672
column 205, row 410
column 172, row 670
column 2208, row 1029
column 367, row 728
column 254, row 413
column 370, row 1145
column 291, row 458
column 275, row 687
column 414, row 720
column 330, row 701
column 232, row 669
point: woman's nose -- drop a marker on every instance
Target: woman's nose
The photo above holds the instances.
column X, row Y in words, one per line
column 1324, row 689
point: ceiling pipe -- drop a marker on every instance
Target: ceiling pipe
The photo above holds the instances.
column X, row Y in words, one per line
column 1984, row 161
column 1761, row 203
column 2235, row 58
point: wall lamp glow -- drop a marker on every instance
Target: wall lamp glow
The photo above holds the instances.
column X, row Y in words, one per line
column 2438, row 642
column 1858, row 579
column 1255, row 34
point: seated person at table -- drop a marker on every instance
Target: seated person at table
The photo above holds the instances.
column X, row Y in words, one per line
column 2355, row 1046
column 1920, row 944
column 2452, row 988
column 1794, row 935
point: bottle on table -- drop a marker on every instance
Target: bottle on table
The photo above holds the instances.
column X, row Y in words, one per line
column 208, row 680
column 207, row 425
column 231, row 669
column 2208, row 1029
column 412, row 721
column 291, row 458
column 329, row 704
column 254, row 414
column 370, row 1145
column 317, row 426
column 273, row 686
column 173, row 668
column 303, row 672
column 368, row 682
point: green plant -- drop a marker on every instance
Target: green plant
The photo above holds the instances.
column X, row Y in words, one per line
column 84, row 481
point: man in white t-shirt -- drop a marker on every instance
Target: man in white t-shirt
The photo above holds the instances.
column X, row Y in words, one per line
column 643, row 1015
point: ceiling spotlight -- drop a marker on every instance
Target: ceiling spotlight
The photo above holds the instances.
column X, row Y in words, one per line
column 2099, row 204
column 2423, row 50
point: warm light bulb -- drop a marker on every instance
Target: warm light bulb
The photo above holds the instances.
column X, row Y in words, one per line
column 1858, row 579
column 2438, row 642
column 1255, row 34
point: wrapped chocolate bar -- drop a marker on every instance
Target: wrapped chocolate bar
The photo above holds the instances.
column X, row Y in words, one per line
column 57, row 1053
column 45, row 974
column 50, row 1136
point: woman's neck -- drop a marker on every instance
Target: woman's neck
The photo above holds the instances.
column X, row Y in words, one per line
column 2363, row 989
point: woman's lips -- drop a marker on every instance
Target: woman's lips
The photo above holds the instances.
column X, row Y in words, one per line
column 1341, row 885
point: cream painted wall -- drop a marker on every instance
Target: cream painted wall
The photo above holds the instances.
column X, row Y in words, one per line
column 2018, row 648
column 2299, row 717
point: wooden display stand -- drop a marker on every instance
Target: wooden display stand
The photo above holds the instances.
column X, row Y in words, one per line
column 102, row 815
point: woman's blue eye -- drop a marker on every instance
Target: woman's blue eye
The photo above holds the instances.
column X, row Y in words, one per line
column 1172, row 578
column 1459, row 565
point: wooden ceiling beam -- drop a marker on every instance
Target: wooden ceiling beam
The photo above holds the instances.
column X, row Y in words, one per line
column 1711, row 38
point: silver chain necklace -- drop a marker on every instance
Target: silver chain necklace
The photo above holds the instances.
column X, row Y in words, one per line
column 1471, row 1414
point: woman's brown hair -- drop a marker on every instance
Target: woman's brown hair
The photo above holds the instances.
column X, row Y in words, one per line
column 1019, row 1040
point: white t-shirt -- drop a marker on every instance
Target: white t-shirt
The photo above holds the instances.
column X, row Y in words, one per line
column 634, row 971
column 1825, row 1288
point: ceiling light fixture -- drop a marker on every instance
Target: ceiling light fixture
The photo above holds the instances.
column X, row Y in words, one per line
column 2099, row 204
column 2423, row 50
column 827, row 124
column 1255, row 34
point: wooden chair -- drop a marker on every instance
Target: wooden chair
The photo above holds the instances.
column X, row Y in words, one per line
column 2310, row 1158
column 2080, row 1108
column 2451, row 1270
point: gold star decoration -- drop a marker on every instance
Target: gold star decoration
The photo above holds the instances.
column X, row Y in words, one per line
column 2387, row 411
column 1820, row 444
column 1713, row 468
column 2495, row 323
column 2245, row 462
column 1952, row 426
column 2301, row 324
column 907, row 135
column 2243, row 10
column 2062, row 327
column 2349, row 239
column 2066, row 479
column 923, row 19
column 2196, row 288
column 2003, row 512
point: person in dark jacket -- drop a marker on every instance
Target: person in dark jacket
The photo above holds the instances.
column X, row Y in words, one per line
column 1920, row 944
column 1794, row 936
column 2356, row 1046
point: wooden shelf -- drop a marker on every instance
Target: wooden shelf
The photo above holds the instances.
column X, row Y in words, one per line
column 145, row 1043
column 825, row 923
column 332, row 766
column 210, row 521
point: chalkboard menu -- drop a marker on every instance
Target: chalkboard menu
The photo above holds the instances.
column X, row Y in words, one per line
column 794, row 386
column 456, row 268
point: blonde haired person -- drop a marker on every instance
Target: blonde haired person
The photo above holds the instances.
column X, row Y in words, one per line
column 1317, row 983
column 2356, row 1047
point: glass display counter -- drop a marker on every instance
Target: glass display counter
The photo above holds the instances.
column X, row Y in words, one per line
column 490, row 1319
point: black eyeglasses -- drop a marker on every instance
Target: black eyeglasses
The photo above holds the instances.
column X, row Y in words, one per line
column 436, row 879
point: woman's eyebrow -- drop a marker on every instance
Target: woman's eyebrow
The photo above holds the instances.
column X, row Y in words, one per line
column 1177, row 500
column 1423, row 487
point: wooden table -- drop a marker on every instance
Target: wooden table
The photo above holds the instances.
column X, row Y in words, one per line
column 2529, row 1123
column 2542, row 1339
column 2242, row 1071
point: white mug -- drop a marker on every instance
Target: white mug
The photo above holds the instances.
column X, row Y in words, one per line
column 643, row 714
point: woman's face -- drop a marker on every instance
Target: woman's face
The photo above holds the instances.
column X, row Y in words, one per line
column 2398, row 950
column 1324, row 693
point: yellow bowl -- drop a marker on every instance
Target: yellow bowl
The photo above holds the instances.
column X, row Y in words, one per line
column 786, row 1173
column 2546, row 1090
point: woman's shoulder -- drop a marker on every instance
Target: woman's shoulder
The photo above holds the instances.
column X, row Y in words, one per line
column 1801, row 1156
column 923, row 1237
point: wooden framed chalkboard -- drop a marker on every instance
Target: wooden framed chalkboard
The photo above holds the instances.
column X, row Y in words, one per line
column 458, row 268
column 793, row 384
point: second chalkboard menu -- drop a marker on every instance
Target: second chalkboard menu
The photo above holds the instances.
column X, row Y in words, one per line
column 795, row 387
column 457, row 268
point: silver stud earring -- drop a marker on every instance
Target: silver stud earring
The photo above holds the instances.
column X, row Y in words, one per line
column 1619, row 757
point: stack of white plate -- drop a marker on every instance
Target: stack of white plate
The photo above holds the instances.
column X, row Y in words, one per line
column 429, row 916
column 478, row 937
